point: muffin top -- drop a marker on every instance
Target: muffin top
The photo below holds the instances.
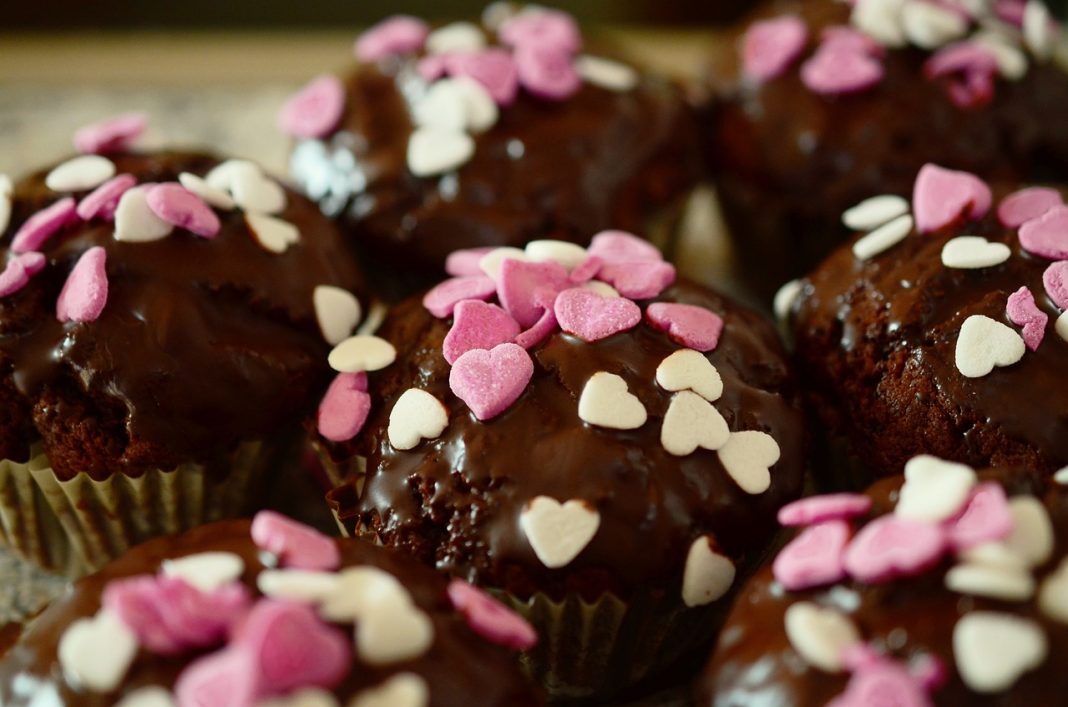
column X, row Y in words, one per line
column 487, row 135
column 946, row 316
column 262, row 613
column 144, row 323
column 942, row 587
column 561, row 419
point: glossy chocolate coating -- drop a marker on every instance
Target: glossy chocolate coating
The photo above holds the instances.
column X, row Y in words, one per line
column 460, row 668
column 203, row 343
column 788, row 162
column 754, row 663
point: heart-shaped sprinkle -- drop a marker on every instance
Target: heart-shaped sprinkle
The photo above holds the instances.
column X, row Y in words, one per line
column 591, row 317
column 226, row 677
column 182, row 208
column 1055, row 279
column 306, row 697
column 360, row 353
column 490, row 381
column 622, row 247
column 355, row 592
column 985, row 518
column 771, row 46
column 37, row 229
column 110, row 135
column 1038, row 28
column 18, row 272
column 993, row 650
column 491, row 619
column 401, row 690
column 151, row 696
column 941, row 197
column 1061, row 326
column 601, row 288
column 984, row 344
column 455, row 37
column 1053, row 597
column 814, row 557
column 1061, row 476
column 547, row 72
column 254, row 191
column 967, row 70
column 207, row 571
column 85, row 293
column 216, row 197
column 748, row 457
column 338, row 312
column 687, row 369
column 272, row 234
column 1032, row 538
column 433, row 67
column 874, row 212
column 607, row 74
column 587, row 270
column 96, row 652
column 477, row 325
column 466, row 262
column 691, row 422
column 1024, row 312
column 883, row 238
column 558, row 532
column 297, row 585
column 393, row 630
column 708, row 575
column 785, row 299
column 491, row 263
column 135, row 222
column 973, row 253
column 1026, row 205
column 103, row 200
column 891, row 547
column 494, row 69
column 433, row 151
column 400, row 34
column 882, row 682
column 5, row 203
column 480, row 110
column 315, row 110
column 818, row 509
column 442, row 107
column 880, row 20
column 80, row 173
column 443, row 298
column 295, row 544
column 569, row 255
column 836, row 69
column 344, row 409
column 991, row 581
column 934, row 489
column 692, row 326
column 525, row 287
column 541, row 26
column 820, row 636
column 606, row 402
column 639, row 280
column 416, row 416
column 536, row 334
column 930, row 26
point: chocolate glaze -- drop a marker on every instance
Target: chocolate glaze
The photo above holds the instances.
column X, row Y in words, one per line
column 788, row 162
column 203, row 343
column 455, row 501
column 754, row 663
column 876, row 345
column 460, row 668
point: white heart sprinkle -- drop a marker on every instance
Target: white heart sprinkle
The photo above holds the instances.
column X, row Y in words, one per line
column 1061, row 477
column 442, row 106
column 96, row 652
column 338, row 312
column 883, row 238
column 984, row 343
column 820, row 636
column 874, row 212
column 1053, row 597
column 1032, row 536
column 708, row 574
column 606, row 402
column 255, row 192
column 881, row 20
column 994, row 581
column 691, row 422
column 993, row 650
column 687, row 369
column 5, row 212
column 7, row 187
column 973, row 253
column 455, row 37
column 433, row 151
column 356, row 592
column 480, row 110
column 1061, row 327
column 606, row 74
column 785, row 298
column 934, row 489
column 80, row 174
column 558, row 532
column 207, row 571
column 994, row 554
column 1011, row 61
column 401, row 690
column 601, row 288
column 212, row 196
column 306, row 697
column 930, row 26
column 272, row 234
column 748, row 457
column 393, row 629
column 224, row 174
column 135, row 222
column 1036, row 29
column 570, row 255
column 416, row 416
column 297, row 585
column 491, row 262
column 151, row 696
column 360, row 353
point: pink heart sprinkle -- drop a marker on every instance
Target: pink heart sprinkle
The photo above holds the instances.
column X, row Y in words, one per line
column 443, row 298
column 586, row 270
column 460, row 263
column 591, row 317
column 1010, row 11
column 18, row 272
column 1020, row 207
column 109, row 135
column 985, row 518
column 814, row 557
column 1023, row 312
column 622, row 247
column 490, row 381
column 524, row 288
column 400, row 34
column 541, row 329
column 491, row 619
column 296, row 545
column 693, row 327
column 43, row 225
column 846, row 38
column 838, row 69
column 968, row 69
column 542, row 27
column 882, row 682
column 817, row 509
column 344, row 409
column 1047, row 235
column 433, row 67
column 494, row 68
column 546, row 72
column 85, row 293
column 103, row 200
column 177, row 205
column 942, row 196
column 1056, row 281
column 228, row 677
column 477, row 325
column 315, row 110
column 891, row 547
column 638, row 280
column 771, row 46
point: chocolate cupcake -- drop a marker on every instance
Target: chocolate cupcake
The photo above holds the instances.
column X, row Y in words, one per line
column 944, row 587
column 164, row 323
column 601, row 447
column 262, row 613
column 941, row 330
column 826, row 105
column 487, row 136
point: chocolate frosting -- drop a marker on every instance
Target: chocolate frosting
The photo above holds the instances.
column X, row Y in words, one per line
column 203, row 343
column 459, row 668
column 754, row 663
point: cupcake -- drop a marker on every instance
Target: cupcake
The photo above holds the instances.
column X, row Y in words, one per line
column 945, row 587
column 487, row 135
column 272, row 614
column 940, row 329
column 826, row 104
column 164, row 324
column 600, row 446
